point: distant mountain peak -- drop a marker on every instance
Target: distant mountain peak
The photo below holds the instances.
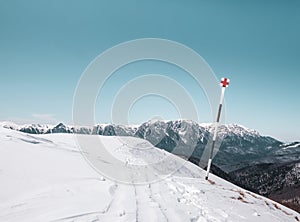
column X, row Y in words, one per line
column 60, row 125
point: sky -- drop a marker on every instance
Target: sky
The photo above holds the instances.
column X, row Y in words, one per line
column 45, row 46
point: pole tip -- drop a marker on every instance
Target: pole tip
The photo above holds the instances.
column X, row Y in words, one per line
column 225, row 82
column 206, row 178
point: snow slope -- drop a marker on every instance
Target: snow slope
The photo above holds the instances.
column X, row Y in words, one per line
column 45, row 178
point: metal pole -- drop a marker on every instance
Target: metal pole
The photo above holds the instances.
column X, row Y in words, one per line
column 224, row 84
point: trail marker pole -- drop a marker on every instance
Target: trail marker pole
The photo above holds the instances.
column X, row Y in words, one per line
column 224, row 84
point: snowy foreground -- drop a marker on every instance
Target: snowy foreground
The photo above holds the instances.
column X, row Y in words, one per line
column 45, row 178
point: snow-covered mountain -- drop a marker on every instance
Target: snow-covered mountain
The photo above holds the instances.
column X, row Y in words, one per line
column 45, row 178
column 181, row 137
column 240, row 146
column 99, row 129
column 241, row 150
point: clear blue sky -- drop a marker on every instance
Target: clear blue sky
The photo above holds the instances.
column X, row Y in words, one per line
column 46, row 45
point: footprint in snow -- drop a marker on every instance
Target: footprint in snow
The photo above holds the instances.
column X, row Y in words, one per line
column 112, row 189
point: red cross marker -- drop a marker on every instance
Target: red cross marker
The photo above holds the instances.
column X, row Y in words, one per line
column 225, row 82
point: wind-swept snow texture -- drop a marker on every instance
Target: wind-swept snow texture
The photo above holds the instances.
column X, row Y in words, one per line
column 45, row 178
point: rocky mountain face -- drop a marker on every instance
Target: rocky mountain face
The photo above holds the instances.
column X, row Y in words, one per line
column 258, row 163
column 181, row 137
column 239, row 146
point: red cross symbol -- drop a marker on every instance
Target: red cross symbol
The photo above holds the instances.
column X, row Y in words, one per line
column 225, row 82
